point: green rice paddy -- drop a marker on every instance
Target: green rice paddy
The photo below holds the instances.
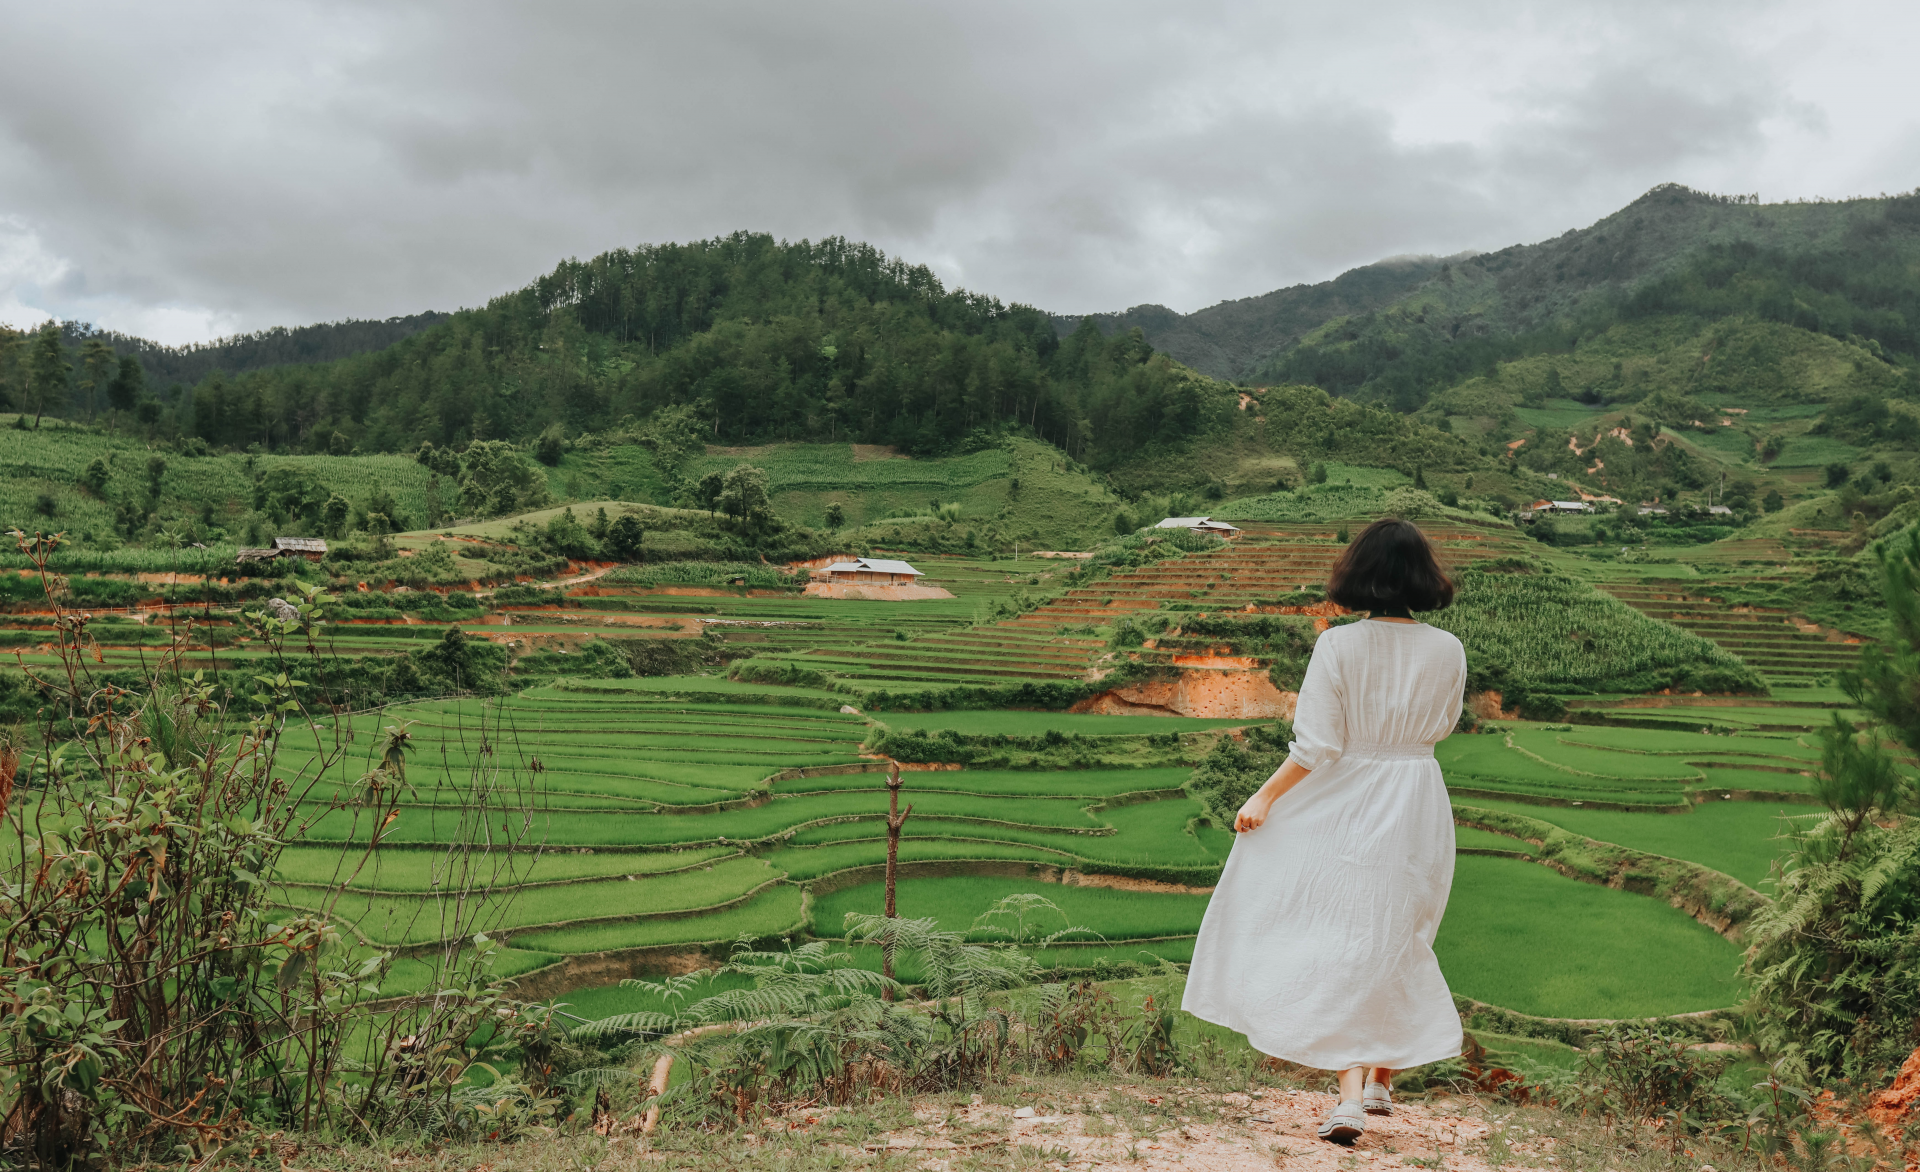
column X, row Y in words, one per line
column 1740, row 839
column 1524, row 937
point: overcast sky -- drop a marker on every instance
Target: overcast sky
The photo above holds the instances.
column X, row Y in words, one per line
column 186, row 170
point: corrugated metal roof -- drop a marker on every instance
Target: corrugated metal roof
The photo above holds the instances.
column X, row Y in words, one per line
column 1194, row 523
column 883, row 566
column 300, row 544
column 873, row 566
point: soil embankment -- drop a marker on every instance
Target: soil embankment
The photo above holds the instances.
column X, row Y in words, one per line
column 874, row 593
column 1225, row 692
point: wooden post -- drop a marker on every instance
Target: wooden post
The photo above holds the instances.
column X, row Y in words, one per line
column 896, row 818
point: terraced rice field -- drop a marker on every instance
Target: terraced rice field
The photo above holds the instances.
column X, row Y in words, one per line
column 1628, row 768
column 678, row 814
column 1057, row 641
column 1784, row 647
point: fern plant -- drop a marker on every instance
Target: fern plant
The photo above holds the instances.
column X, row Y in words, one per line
column 1835, row 961
column 812, row 1022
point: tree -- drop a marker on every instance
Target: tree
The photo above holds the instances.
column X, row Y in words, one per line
column 896, row 818
column 334, row 514
column 1420, row 478
column 599, row 525
column 13, row 371
column 836, row 515
column 497, row 480
column 97, row 369
column 96, row 475
column 744, row 499
column 156, row 473
column 566, row 536
column 383, row 502
column 1318, row 474
column 551, row 445
column 1833, row 960
column 707, row 492
column 1773, row 502
column 625, row 538
column 1837, row 475
column 123, row 393
column 50, row 374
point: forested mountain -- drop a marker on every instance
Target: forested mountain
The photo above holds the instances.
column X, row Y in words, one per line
column 1838, row 267
column 1230, row 340
column 279, row 346
column 760, row 340
column 1686, row 308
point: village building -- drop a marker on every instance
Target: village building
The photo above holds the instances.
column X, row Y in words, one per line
column 310, row 548
column 1538, row 507
column 872, row 572
column 1199, row 525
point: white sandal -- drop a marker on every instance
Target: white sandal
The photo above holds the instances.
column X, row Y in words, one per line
column 1347, row 1123
column 1379, row 1098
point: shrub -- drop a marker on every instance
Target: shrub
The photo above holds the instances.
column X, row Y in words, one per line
column 1230, row 773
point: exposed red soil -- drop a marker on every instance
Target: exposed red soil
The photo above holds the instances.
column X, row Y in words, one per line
column 1205, row 692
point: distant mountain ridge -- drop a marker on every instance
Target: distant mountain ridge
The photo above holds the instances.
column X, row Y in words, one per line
column 1231, row 339
column 278, row 346
column 1521, row 287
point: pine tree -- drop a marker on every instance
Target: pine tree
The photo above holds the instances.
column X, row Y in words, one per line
column 50, row 373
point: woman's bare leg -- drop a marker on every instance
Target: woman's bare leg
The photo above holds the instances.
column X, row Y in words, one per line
column 1353, row 1084
column 1381, row 1074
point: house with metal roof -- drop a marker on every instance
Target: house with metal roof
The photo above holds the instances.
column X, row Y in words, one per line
column 873, row 572
column 1199, row 525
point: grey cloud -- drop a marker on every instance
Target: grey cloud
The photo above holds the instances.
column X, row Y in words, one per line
column 277, row 164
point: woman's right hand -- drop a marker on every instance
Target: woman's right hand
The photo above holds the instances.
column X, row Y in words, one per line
column 1254, row 814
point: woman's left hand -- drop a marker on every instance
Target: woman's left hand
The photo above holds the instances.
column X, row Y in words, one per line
column 1254, row 814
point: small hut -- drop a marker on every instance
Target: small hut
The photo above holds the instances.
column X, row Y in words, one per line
column 1205, row 525
column 872, row 572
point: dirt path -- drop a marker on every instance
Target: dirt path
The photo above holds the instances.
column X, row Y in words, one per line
column 558, row 583
column 1129, row 1127
column 1249, row 1133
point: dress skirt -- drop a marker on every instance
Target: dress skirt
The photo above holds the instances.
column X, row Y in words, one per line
column 1318, row 942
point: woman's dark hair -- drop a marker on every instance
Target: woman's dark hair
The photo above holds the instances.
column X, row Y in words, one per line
column 1390, row 565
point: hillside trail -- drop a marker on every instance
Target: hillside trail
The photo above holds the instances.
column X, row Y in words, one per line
column 557, row 583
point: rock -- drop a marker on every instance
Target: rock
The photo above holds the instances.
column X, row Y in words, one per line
column 849, row 710
column 283, row 610
column 1023, row 1113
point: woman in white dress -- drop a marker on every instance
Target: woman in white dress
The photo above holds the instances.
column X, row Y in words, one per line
column 1318, row 942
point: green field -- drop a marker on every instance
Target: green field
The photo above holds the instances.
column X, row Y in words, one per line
column 1521, row 936
column 636, row 873
column 1740, row 839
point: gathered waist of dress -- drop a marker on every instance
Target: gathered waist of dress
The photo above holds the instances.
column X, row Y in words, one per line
column 1410, row 750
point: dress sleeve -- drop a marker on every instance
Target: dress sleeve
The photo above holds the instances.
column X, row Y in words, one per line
column 1320, row 716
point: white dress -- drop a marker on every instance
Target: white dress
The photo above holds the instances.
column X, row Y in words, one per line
column 1318, row 942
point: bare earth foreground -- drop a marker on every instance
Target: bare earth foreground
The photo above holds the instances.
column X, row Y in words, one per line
column 1247, row 1131
column 1080, row 1126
